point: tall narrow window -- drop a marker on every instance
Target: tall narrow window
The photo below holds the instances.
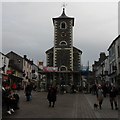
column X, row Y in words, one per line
column 63, row 25
column 118, row 51
column 119, row 67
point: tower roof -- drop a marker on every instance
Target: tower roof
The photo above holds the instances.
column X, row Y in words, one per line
column 63, row 16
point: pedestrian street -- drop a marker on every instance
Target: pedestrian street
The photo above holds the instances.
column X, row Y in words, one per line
column 68, row 105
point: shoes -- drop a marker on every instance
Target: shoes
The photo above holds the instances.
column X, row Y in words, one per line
column 12, row 110
column 9, row 112
column 116, row 108
column 52, row 105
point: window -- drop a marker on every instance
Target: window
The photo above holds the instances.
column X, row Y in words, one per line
column 63, row 43
column 118, row 51
column 4, row 60
column 119, row 67
column 63, row 68
column 63, row 25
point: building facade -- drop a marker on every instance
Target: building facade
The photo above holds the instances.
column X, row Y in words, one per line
column 27, row 68
column 100, row 69
column 4, row 62
column 119, row 57
column 15, row 70
column 21, row 69
column 114, row 60
column 64, row 56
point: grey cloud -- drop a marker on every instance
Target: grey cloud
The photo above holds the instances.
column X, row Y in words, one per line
column 28, row 27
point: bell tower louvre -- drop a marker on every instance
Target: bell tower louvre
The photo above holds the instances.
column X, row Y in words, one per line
column 63, row 55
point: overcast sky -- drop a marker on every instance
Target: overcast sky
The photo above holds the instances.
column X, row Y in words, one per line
column 27, row 27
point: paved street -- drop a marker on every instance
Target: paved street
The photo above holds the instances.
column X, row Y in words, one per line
column 67, row 106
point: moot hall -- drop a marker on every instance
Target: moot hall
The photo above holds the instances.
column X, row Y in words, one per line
column 63, row 59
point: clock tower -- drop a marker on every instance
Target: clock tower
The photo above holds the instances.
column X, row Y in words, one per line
column 63, row 42
column 63, row 55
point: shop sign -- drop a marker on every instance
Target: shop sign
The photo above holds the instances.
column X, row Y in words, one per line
column 9, row 71
column 50, row 69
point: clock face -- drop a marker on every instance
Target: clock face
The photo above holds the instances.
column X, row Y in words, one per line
column 63, row 34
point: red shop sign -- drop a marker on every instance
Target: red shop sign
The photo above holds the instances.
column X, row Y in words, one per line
column 9, row 71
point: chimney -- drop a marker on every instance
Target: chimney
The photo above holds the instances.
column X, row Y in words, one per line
column 102, row 56
column 25, row 56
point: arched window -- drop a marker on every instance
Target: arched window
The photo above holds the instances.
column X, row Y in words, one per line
column 63, row 43
column 63, row 68
column 63, row 25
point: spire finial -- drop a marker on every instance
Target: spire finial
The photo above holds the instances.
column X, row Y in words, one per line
column 64, row 5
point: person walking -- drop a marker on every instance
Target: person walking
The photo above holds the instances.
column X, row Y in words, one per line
column 51, row 96
column 16, row 101
column 100, row 96
column 113, row 95
column 28, row 90
column 104, row 90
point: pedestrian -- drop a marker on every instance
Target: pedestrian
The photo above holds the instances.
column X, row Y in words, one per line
column 104, row 90
column 113, row 95
column 19, row 86
column 28, row 90
column 9, row 100
column 73, row 89
column 94, row 89
column 51, row 96
column 34, row 87
column 16, row 102
column 100, row 96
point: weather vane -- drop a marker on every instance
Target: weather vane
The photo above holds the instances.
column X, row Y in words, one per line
column 64, row 5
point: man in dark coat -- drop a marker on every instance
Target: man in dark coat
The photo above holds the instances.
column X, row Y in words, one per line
column 113, row 95
column 52, row 92
column 28, row 90
column 16, row 102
